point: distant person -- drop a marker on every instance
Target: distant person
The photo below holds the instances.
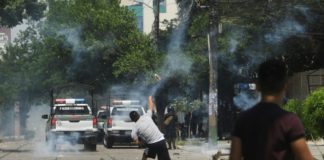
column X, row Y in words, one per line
column 266, row 131
column 187, row 124
column 194, row 122
column 170, row 122
column 181, row 133
column 146, row 130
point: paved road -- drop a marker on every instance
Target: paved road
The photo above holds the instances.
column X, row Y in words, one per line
column 37, row 150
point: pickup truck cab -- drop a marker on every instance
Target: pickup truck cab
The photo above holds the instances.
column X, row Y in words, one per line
column 72, row 120
column 118, row 126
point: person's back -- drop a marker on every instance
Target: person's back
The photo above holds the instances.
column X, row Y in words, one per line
column 266, row 131
column 147, row 129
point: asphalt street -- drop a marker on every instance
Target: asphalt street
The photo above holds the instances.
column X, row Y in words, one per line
column 38, row 150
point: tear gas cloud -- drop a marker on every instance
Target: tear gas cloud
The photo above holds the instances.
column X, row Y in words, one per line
column 207, row 150
column 7, row 119
column 36, row 125
column 284, row 30
column 245, row 100
column 72, row 36
column 256, row 53
column 176, row 60
column 127, row 92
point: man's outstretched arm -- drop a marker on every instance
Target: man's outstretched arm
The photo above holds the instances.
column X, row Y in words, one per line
column 150, row 106
column 150, row 103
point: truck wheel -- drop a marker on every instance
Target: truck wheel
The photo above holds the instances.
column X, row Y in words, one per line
column 108, row 141
column 90, row 146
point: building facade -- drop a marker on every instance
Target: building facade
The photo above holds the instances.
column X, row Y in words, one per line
column 303, row 83
column 144, row 10
column 5, row 37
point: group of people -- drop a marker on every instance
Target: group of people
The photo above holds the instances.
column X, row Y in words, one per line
column 264, row 132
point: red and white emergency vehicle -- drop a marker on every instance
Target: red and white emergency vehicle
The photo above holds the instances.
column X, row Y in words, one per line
column 71, row 120
column 118, row 126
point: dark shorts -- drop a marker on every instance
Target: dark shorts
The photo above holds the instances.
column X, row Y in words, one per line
column 159, row 149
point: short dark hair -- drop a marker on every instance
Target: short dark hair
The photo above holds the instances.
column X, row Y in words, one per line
column 272, row 76
column 134, row 116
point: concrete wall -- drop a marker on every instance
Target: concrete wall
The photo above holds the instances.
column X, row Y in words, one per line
column 300, row 86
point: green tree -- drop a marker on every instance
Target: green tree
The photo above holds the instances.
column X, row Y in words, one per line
column 80, row 41
column 91, row 42
column 12, row 12
column 104, row 34
column 313, row 114
column 250, row 32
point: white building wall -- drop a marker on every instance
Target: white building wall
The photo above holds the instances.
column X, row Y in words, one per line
column 4, row 38
column 148, row 14
column 171, row 12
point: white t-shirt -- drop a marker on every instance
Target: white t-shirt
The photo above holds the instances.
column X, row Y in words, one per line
column 147, row 129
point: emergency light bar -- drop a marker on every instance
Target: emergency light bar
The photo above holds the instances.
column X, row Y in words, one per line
column 245, row 86
column 69, row 101
column 125, row 102
column 103, row 107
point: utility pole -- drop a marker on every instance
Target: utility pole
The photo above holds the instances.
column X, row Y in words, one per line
column 156, row 10
column 213, row 74
column 17, row 120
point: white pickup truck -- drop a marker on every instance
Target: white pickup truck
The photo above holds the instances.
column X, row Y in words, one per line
column 118, row 126
column 71, row 121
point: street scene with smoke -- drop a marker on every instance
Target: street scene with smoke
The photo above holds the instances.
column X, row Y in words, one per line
column 67, row 67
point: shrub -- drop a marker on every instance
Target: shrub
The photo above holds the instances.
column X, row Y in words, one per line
column 311, row 113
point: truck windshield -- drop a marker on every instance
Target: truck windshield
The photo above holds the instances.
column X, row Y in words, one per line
column 101, row 115
column 72, row 110
column 124, row 111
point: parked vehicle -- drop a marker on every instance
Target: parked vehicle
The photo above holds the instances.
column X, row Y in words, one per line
column 118, row 126
column 71, row 121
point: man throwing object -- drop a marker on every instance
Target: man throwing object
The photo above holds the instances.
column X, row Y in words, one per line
column 146, row 130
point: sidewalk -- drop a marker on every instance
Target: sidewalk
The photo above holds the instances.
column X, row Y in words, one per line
column 317, row 149
column 206, row 152
column 200, row 150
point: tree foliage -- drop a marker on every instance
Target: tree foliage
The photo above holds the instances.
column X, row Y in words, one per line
column 90, row 42
column 311, row 112
column 12, row 12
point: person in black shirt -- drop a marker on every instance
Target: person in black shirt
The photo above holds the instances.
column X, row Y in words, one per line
column 266, row 131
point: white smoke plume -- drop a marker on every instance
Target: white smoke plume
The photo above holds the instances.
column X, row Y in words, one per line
column 176, row 60
column 36, row 126
column 245, row 100
column 287, row 28
column 6, row 121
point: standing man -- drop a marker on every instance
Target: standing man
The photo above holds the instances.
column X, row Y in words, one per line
column 146, row 130
column 266, row 131
column 170, row 122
